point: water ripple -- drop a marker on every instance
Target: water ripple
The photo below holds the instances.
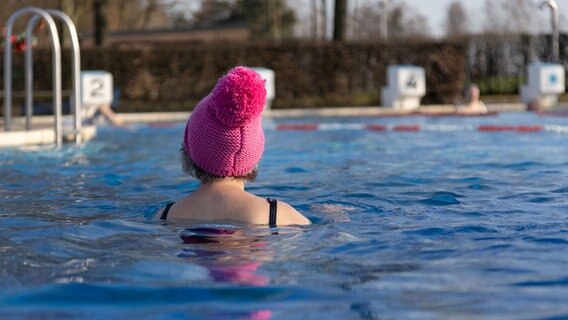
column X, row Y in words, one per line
column 442, row 199
column 563, row 282
column 81, row 294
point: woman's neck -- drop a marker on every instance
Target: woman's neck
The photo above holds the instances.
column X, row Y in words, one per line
column 224, row 184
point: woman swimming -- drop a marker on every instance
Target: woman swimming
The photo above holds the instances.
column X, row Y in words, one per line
column 222, row 146
column 472, row 104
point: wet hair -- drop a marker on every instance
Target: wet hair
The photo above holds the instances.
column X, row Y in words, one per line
column 205, row 177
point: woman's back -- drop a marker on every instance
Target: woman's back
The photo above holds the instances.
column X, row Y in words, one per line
column 226, row 201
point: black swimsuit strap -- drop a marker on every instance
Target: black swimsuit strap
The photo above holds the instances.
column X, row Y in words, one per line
column 164, row 215
column 272, row 216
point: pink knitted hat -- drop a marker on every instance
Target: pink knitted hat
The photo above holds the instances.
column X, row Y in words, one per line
column 224, row 135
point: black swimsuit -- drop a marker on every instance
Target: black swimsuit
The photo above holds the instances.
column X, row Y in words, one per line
column 271, row 215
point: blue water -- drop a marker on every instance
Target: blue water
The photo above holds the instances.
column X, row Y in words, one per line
column 448, row 223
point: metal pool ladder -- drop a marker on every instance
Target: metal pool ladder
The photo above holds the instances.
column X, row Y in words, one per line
column 47, row 16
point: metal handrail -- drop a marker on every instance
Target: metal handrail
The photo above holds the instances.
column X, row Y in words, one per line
column 555, row 32
column 56, row 58
column 76, row 70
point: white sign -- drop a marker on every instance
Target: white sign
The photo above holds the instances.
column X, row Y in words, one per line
column 411, row 80
column 96, row 88
column 551, row 78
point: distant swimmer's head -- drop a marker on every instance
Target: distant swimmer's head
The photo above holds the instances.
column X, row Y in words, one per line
column 224, row 135
column 472, row 93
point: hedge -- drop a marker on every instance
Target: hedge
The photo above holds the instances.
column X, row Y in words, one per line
column 176, row 76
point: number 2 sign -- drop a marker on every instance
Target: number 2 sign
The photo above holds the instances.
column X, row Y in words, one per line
column 96, row 88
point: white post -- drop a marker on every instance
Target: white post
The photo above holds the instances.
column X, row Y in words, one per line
column 269, row 82
column 555, row 32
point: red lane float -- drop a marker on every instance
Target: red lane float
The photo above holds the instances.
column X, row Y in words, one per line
column 406, row 128
column 530, row 128
column 376, row 127
column 457, row 114
column 501, row 128
column 297, row 127
column 409, row 127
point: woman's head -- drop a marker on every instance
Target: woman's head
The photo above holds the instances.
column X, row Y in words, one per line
column 224, row 135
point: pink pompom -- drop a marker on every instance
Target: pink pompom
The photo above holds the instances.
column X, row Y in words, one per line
column 238, row 97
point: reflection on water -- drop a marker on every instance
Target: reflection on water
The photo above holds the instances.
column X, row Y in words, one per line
column 231, row 255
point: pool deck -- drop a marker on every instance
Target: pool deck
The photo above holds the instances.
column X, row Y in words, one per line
column 41, row 134
column 372, row 111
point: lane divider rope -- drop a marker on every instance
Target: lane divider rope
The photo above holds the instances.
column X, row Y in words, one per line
column 563, row 129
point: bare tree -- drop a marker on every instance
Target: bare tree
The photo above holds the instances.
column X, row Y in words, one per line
column 315, row 19
column 99, row 22
column 77, row 10
column 267, row 19
column 506, row 17
column 339, row 20
column 275, row 19
column 148, row 11
column 403, row 22
column 520, row 15
column 214, row 11
column 353, row 19
column 324, row 17
column 457, row 23
column 181, row 12
column 366, row 23
column 136, row 14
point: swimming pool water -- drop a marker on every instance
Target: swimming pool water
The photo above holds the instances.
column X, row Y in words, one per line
column 438, row 224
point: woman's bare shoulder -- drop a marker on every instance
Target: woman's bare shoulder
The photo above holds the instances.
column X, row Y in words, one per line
column 287, row 215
